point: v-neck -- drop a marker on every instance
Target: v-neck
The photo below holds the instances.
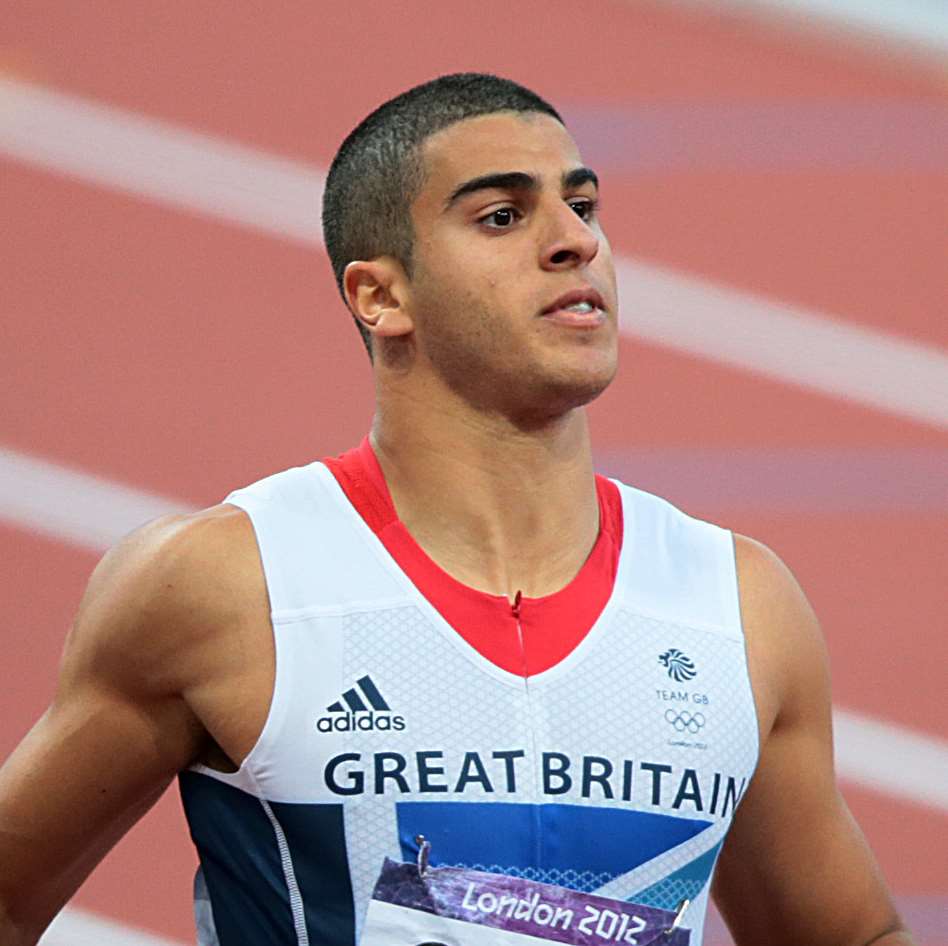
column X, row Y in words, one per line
column 526, row 639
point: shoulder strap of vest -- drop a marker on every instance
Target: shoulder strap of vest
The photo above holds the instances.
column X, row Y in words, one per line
column 678, row 568
column 317, row 553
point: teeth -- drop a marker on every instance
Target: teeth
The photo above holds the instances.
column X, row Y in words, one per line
column 580, row 307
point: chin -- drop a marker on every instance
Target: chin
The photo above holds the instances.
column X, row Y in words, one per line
column 584, row 392
column 584, row 383
column 554, row 396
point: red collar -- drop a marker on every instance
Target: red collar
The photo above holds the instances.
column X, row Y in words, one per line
column 551, row 627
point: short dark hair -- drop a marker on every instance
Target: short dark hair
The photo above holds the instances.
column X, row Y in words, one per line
column 377, row 171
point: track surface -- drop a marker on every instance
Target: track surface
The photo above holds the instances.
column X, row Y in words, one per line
column 183, row 355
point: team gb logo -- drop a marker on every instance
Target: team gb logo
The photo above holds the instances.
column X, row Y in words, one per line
column 680, row 668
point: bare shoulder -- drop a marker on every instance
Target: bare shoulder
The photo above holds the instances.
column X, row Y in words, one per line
column 786, row 650
column 158, row 600
column 167, row 638
column 766, row 584
column 768, row 884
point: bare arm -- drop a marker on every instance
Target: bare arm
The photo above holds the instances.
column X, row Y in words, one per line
column 795, row 867
column 123, row 719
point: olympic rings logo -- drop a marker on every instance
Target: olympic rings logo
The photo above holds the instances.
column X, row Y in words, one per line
column 692, row 722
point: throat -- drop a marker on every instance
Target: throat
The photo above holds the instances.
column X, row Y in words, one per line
column 532, row 560
column 556, row 606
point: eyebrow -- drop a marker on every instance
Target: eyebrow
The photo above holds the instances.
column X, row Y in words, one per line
column 519, row 181
column 579, row 176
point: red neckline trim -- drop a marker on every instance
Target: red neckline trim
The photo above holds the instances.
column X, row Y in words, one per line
column 550, row 627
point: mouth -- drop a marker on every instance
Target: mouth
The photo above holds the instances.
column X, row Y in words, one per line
column 580, row 308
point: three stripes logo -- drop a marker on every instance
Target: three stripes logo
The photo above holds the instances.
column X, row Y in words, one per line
column 361, row 709
column 680, row 668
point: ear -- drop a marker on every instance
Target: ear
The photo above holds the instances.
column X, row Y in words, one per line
column 377, row 293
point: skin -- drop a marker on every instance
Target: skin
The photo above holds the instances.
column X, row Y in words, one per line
column 479, row 396
column 482, row 437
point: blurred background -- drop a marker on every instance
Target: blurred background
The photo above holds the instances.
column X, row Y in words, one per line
column 775, row 187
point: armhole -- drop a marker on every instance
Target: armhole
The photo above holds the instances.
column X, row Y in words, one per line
column 729, row 585
column 245, row 776
column 748, row 679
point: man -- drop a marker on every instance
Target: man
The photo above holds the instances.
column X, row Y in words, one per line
column 456, row 630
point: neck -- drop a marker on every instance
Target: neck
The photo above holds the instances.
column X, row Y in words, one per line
column 501, row 508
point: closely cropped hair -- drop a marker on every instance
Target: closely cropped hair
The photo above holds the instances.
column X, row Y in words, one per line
column 378, row 172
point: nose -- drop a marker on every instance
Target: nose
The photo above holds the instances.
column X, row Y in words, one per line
column 571, row 243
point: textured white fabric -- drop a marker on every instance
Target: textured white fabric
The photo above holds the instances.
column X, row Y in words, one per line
column 343, row 610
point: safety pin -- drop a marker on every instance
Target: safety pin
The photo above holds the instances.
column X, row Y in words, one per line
column 424, row 850
column 679, row 913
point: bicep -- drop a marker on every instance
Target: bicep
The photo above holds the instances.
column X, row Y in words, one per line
column 101, row 754
column 795, row 867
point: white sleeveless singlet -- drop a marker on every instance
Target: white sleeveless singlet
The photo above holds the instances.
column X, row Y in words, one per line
column 616, row 770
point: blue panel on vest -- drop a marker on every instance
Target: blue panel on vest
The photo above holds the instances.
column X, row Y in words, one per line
column 316, row 837
column 571, row 845
column 240, row 858
column 684, row 884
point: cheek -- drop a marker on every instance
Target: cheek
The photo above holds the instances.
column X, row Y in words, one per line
column 462, row 327
column 469, row 298
column 461, row 293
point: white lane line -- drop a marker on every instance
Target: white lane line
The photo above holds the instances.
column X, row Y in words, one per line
column 72, row 506
column 158, row 161
column 93, row 513
column 891, row 759
column 74, row 927
column 919, row 23
column 784, row 342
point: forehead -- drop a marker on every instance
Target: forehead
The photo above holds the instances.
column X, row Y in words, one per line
column 504, row 141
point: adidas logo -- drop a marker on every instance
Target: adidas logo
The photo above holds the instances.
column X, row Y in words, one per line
column 361, row 709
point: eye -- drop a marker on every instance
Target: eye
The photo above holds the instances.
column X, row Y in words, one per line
column 584, row 208
column 501, row 219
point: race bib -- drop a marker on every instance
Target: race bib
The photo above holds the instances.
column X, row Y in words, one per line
column 447, row 906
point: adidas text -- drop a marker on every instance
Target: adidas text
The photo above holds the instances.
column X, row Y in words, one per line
column 361, row 722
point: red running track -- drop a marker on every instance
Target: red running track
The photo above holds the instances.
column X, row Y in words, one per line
column 176, row 353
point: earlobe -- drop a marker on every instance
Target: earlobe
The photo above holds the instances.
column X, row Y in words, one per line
column 392, row 323
column 374, row 293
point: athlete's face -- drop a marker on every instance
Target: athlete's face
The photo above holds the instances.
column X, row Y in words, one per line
column 513, row 293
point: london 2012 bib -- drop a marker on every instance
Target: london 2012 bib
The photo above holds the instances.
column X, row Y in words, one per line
column 448, row 906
